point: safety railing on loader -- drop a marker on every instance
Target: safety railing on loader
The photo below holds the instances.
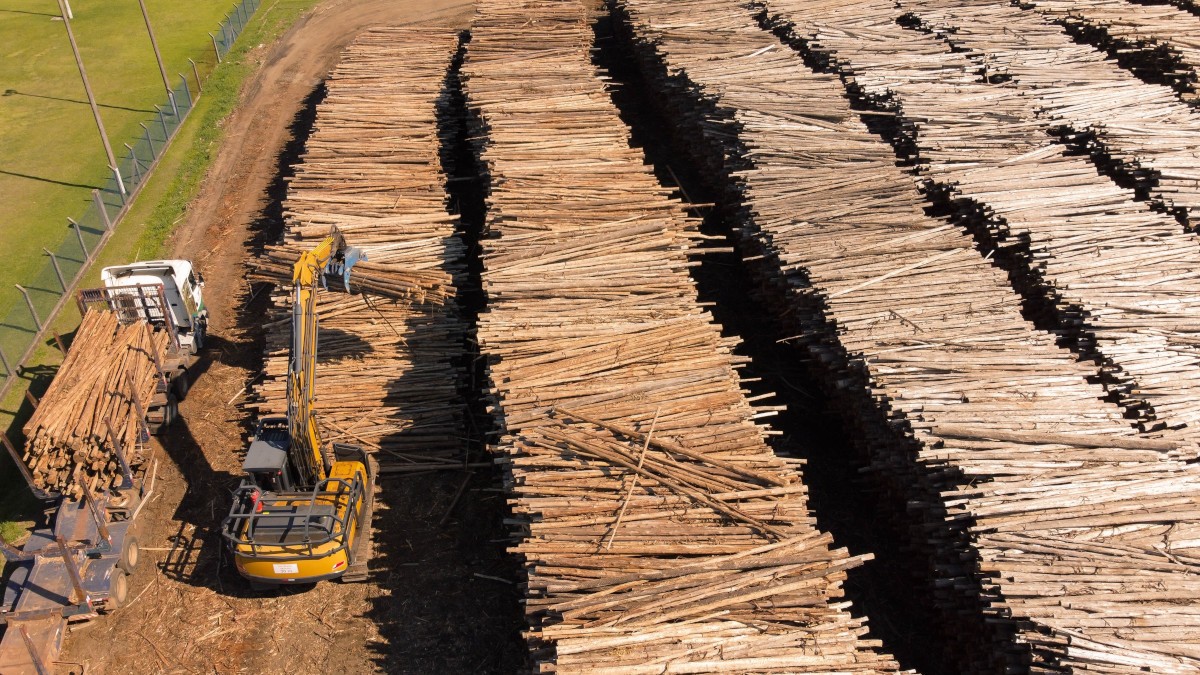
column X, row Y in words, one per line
column 292, row 525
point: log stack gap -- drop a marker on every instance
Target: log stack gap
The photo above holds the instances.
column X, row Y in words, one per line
column 1120, row 282
column 1158, row 43
column 1139, row 131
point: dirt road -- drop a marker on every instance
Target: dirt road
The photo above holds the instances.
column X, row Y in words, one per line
column 425, row 609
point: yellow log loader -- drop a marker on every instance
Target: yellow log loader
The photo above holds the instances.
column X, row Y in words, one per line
column 303, row 511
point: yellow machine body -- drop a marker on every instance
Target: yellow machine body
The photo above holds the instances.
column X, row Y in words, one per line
column 284, row 563
column 302, row 513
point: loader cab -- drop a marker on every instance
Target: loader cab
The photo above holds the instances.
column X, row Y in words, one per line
column 182, row 288
column 266, row 462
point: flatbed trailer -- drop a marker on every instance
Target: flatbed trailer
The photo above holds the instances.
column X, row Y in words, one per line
column 79, row 563
column 71, row 570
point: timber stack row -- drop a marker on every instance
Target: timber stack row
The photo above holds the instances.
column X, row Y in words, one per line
column 388, row 373
column 1117, row 279
column 1157, row 42
column 1142, row 131
column 1046, row 531
column 658, row 531
column 89, row 415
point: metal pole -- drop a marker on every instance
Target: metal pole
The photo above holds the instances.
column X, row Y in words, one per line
column 186, row 91
column 196, row 74
column 59, row 342
column 70, row 14
column 36, row 321
column 215, row 49
column 162, row 119
column 119, row 450
column 137, row 169
column 103, row 209
column 79, row 596
column 94, row 508
column 11, row 553
column 120, row 181
column 57, row 270
column 38, row 667
column 87, row 87
column 16, row 458
column 149, row 141
column 157, row 55
column 137, row 406
column 87, row 255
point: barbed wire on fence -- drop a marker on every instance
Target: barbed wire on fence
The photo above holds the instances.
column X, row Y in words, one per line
column 47, row 292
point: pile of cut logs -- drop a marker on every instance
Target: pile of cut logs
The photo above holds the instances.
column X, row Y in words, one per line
column 1141, row 131
column 388, row 371
column 1158, row 41
column 90, row 412
column 1043, row 530
column 658, row 531
column 1118, row 279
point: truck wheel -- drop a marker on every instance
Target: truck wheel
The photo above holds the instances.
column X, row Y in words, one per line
column 131, row 553
column 169, row 411
column 181, row 384
column 118, row 589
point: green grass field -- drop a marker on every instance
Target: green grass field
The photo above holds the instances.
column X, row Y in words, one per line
column 162, row 201
column 50, row 152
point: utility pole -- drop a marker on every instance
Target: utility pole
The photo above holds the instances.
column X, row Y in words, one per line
column 87, row 87
column 158, row 57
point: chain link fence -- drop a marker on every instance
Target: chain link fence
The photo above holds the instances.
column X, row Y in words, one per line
column 232, row 27
column 48, row 291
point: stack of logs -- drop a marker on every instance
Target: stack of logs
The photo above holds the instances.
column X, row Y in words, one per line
column 1042, row 531
column 1119, row 280
column 90, row 404
column 1141, row 131
column 658, row 531
column 1159, row 42
column 388, row 370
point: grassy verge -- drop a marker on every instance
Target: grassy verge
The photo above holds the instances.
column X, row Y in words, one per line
column 141, row 235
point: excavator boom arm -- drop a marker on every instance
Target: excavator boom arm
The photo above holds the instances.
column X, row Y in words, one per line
column 331, row 255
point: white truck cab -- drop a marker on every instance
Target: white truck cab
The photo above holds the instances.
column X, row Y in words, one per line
column 182, row 288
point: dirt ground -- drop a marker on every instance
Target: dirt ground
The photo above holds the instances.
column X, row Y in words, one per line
column 426, row 608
